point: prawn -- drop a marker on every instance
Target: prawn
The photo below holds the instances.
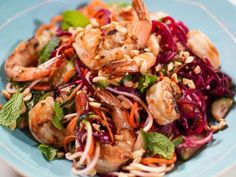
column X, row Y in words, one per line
column 201, row 45
column 41, row 126
column 120, row 44
column 19, row 65
column 112, row 157
column 161, row 99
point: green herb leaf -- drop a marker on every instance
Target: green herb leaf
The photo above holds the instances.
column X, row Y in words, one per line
column 178, row 140
column 48, row 152
column 11, row 111
column 47, row 50
column 73, row 18
column 157, row 143
column 58, row 116
column 102, row 84
column 126, row 78
column 145, row 81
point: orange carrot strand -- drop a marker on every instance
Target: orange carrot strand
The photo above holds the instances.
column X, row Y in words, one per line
column 132, row 117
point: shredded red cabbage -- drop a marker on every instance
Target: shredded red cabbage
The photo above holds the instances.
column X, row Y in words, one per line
column 191, row 141
column 81, row 75
column 210, row 82
column 192, row 107
column 170, row 32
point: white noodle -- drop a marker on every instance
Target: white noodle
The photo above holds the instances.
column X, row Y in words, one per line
column 88, row 143
column 91, row 165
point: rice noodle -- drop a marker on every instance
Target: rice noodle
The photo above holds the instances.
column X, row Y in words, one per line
column 91, row 165
column 135, row 166
column 70, row 156
column 147, row 174
column 88, row 142
column 68, row 117
column 149, row 121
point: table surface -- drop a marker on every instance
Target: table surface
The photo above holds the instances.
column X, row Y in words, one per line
column 7, row 171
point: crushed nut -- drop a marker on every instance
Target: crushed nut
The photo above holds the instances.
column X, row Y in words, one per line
column 96, row 126
column 197, row 70
column 176, row 63
column 95, row 104
column 174, row 78
column 94, row 22
column 128, row 83
column 134, row 52
column 189, row 59
column 158, row 67
column 170, row 66
column 189, row 83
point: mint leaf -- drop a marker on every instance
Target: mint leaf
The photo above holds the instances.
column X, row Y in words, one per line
column 48, row 152
column 58, row 116
column 156, row 143
column 145, row 81
column 11, row 111
column 47, row 50
column 73, row 18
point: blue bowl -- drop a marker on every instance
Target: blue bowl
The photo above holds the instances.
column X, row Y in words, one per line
column 19, row 149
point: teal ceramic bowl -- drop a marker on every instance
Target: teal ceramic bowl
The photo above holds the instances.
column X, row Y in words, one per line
column 18, row 21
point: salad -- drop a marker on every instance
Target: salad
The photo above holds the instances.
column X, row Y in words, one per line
column 117, row 90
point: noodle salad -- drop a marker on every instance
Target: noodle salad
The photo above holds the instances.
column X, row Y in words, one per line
column 117, row 90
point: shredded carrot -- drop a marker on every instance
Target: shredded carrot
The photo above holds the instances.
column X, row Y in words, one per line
column 91, row 149
column 70, row 129
column 41, row 87
column 68, row 75
column 132, row 117
column 98, row 112
column 56, row 20
column 152, row 160
column 41, row 29
column 67, row 140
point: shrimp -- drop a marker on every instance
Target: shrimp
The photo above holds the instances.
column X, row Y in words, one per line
column 161, row 99
column 19, row 64
column 112, row 157
column 40, row 123
column 201, row 45
column 120, row 43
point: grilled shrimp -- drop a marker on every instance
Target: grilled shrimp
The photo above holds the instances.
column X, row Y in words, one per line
column 40, row 123
column 113, row 156
column 201, row 45
column 161, row 99
column 119, row 44
column 19, row 64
